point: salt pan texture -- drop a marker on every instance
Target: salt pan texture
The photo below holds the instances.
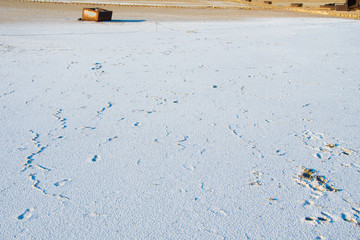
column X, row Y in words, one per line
column 180, row 130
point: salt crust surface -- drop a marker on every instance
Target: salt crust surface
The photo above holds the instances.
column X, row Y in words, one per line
column 180, row 130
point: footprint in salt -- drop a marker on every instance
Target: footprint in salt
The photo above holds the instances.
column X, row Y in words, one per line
column 94, row 158
column 26, row 215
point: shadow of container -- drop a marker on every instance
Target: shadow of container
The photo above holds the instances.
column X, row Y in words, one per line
column 125, row 21
column 96, row 14
column 328, row 6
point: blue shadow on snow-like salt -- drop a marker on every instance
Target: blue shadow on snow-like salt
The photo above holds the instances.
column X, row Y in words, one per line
column 125, row 21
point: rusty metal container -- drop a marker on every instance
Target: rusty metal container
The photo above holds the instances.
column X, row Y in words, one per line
column 343, row 7
column 96, row 14
column 268, row 2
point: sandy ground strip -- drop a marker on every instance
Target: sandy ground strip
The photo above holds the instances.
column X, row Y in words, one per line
column 12, row 10
column 33, row 12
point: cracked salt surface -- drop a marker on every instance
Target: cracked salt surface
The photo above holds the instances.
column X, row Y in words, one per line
column 183, row 130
